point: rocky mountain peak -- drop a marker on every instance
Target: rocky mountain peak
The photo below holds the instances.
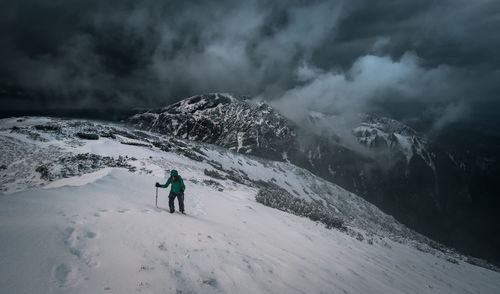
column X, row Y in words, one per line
column 383, row 133
column 201, row 103
column 225, row 120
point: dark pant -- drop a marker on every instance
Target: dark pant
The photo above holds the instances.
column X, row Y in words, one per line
column 180, row 198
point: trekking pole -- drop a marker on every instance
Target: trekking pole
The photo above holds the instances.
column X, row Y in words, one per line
column 156, row 196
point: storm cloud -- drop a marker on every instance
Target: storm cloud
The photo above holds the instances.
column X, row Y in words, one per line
column 433, row 60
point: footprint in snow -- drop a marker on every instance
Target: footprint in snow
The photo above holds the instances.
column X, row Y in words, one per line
column 142, row 285
column 63, row 275
column 146, row 268
column 162, row 246
column 90, row 235
column 77, row 243
column 100, row 212
column 211, row 282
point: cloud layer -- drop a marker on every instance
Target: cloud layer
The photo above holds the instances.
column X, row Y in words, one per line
column 409, row 59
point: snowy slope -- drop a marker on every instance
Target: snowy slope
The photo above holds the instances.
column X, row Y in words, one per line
column 90, row 225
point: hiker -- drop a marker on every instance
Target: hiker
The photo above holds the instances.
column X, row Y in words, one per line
column 176, row 190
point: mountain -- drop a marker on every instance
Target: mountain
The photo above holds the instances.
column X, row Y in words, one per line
column 223, row 120
column 425, row 185
column 77, row 215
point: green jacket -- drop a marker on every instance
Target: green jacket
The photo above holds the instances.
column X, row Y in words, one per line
column 176, row 186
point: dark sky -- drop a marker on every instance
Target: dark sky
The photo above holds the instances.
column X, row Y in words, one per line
column 436, row 61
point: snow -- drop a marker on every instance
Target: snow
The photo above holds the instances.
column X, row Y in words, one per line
column 101, row 233
column 331, row 171
column 396, row 136
column 405, row 145
column 224, row 120
column 107, row 234
column 240, row 136
column 79, row 180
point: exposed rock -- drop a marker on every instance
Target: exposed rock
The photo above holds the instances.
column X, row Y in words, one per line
column 223, row 120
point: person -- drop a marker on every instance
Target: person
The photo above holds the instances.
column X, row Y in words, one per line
column 176, row 190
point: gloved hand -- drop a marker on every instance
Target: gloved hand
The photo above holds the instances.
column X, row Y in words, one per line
column 157, row 184
column 182, row 190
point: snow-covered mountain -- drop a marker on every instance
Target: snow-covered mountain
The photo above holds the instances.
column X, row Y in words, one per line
column 44, row 151
column 77, row 215
column 223, row 120
column 422, row 184
column 385, row 133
